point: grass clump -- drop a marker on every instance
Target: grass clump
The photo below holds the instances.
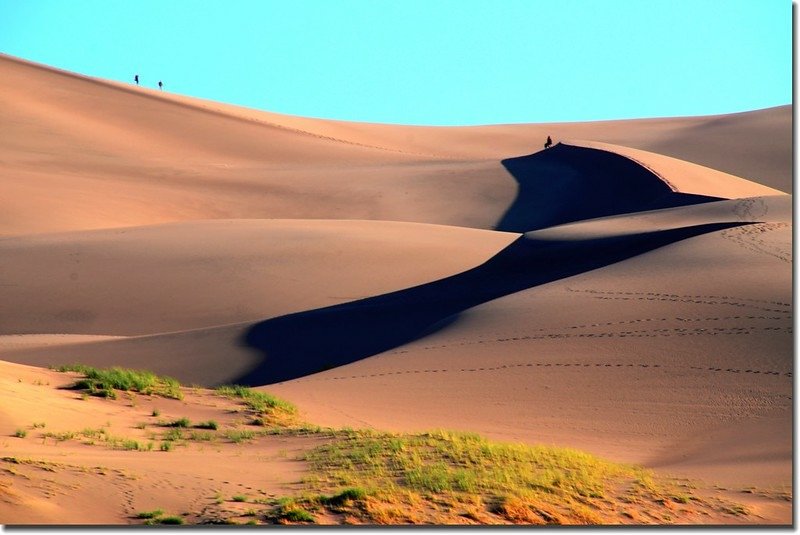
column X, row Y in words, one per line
column 344, row 497
column 173, row 435
column 180, row 422
column 298, row 515
column 289, row 510
column 101, row 435
column 201, row 436
column 238, row 436
column 150, row 514
column 104, row 382
column 166, row 446
column 239, row 498
column 61, row 437
column 157, row 517
column 20, row 433
column 270, row 410
column 398, row 478
column 211, row 424
column 171, row 520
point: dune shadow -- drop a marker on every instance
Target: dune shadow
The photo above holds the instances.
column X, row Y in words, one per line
column 566, row 183
column 307, row 342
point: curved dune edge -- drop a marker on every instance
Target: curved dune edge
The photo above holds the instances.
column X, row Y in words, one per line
column 686, row 177
column 666, row 358
column 134, row 157
column 770, row 209
column 10, row 342
column 676, row 133
column 546, row 356
column 303, row 343
column 572, row 183
column 190, row 275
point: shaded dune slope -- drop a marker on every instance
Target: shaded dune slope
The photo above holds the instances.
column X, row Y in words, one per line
column 570, row 183
column 679, row 358
column 562, row 184
column 307, row 342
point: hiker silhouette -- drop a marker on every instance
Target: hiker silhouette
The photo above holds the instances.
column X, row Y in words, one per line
column 548, row 143
column 136, row 79
column 160, row 85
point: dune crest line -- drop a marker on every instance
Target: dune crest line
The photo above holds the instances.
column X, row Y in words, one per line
column 568, row 183
column 296, row 345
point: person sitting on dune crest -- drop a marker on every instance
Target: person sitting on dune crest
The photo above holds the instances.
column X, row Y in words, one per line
column 136, row 79
column 548, row 143
column 160, row 85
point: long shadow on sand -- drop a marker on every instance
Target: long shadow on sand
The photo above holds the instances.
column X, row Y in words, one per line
column 566, row 183
column 307, row 342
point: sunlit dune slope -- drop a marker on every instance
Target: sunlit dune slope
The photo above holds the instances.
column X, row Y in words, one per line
column 181, row 276
column 615, row 294
column 655, row 359
column 82, row 153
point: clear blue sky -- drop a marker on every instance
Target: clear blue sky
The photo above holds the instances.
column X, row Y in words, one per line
column 427, row 61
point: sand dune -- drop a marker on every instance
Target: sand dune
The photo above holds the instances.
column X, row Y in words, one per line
column 201, row 274
column 626, row 292
column 81, row 153
column 630, row 360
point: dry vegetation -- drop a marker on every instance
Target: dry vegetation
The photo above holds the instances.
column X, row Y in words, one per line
column 371, row 477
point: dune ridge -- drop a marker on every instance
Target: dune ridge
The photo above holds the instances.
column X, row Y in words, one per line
column 626, row 292
column 135, row 157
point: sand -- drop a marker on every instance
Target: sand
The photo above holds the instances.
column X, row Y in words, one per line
column 626, row 292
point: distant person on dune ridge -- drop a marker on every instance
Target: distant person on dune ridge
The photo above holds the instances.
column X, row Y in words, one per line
column 160, row 85
column 136, row 79
column 548, row 143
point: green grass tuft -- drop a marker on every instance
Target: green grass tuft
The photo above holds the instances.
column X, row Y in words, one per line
column 238, row 436
column 381, row 475
column 211, row 424
column 104, row 382
column 150, row 514
column 352, row 494
column 173, row 434
column 296, row 514
column 20, row 433
column 271, row 410
column 180, row 422
column 171, row 520
column 201, row 436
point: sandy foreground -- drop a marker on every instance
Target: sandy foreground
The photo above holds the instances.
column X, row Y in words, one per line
column 626, row 292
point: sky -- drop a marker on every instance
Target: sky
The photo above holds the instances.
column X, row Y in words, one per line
column 431, row 62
